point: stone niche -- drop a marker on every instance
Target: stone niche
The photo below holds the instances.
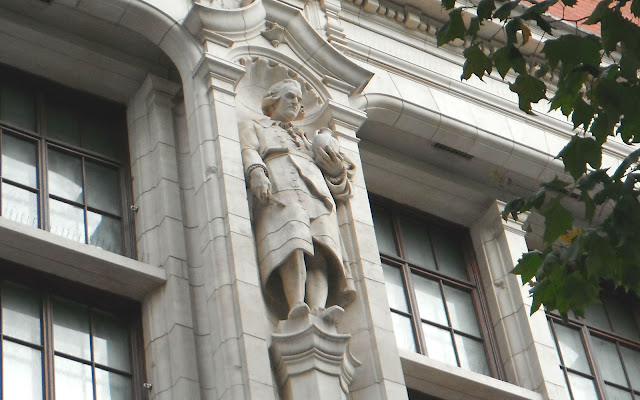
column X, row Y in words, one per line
column 297, row 180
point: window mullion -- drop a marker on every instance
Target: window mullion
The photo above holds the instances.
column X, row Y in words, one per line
column 84, row 200
column 92, row 349
column 48, row 358
column 43, row 167
column 597, row 375
column 421, row 344
column 450, row 322
column 563, row 366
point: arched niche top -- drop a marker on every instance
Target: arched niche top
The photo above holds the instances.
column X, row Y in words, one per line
column 234, row 19
column 263, row 72
column 321, row 56
column 112, row 48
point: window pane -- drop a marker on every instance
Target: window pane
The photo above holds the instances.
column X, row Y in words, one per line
column 99, row 136
column 110, row 342
column 621, row 318
column 596, row 317
column 112, row 386
column 62, row 122
column 66, row 220
column 395, row 288
column 572, row 349
column 449, row 254
column 416, row 243
column 22, row 380
column 429, row 299
column 19, row 160
column 439, row 344
column 461, row 310
column 609, row 361
column 65, row 176
column 472, row 355
column 632, row 362
column 384, row 231
column 403, row 332
column 73, row 380
column 105, row 232
column 617, row 394
column 21, row 309
column 19, row 205
column 103, row 191
column 582, row 388
column 71, row 328
column 18, row 106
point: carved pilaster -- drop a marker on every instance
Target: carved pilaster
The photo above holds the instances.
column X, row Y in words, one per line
column 312, row 360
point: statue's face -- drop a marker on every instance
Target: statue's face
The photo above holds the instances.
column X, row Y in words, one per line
column 288, row 106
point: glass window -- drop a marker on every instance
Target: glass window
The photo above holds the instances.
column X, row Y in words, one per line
column 63, row 162
column 600, row 354
column 53, row 345
column 432, row 294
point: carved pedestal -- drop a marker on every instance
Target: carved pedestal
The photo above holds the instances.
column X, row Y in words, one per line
column 311, row 358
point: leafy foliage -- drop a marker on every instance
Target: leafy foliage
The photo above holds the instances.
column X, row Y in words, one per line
column 599, row 90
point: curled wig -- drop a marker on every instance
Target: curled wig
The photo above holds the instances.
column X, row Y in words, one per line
column 275, row 93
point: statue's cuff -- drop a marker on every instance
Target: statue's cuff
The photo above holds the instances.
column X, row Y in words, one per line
column 337, row 180
column 256, row 166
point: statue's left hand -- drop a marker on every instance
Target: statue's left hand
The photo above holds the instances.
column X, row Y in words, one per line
column 329, row 162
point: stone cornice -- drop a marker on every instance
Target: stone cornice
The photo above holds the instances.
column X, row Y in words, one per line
column 312, row 48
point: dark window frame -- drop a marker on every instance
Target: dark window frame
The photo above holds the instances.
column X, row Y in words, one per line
column 473, row 286
column 586, row 331
column 86, row 103
column 49, row 286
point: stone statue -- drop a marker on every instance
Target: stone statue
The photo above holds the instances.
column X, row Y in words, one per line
column 296, row 183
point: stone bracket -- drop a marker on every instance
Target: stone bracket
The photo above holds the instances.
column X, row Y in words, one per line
column 311, row 359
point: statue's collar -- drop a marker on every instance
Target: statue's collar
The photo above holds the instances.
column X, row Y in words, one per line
column 266, row 123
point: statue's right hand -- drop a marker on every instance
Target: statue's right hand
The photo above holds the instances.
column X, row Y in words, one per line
column 260, row 186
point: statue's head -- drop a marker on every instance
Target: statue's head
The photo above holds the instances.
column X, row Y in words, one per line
column 283, row 101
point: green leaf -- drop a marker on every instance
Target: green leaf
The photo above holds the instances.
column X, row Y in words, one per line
column 543, row 24
column 589, row 205
column 538, row 9
column 600, row 257
column 528, row 265
column 557, row 184
column 504, row 12
column 573, row 50
column 582, row 113
column 568, row 91
column 508, row 57
column 512, row 29
column 476, row 63
column 635, row 8
column 474, row 28
column 569, row 3
column 542, row 71
column 512, row 208
column 557, row 221
column 529, row 89
column 579, row 152
column 536, row 200
column 614, row 28
column 448, row 4
column 485, row 8
column 603, row 125
column 628, row 161
column 629, row 129
column 629, row 64
column 591, row 179
column 452, row 29
column 599, row 12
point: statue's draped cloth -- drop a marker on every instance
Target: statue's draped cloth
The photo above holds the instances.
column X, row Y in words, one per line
column 303, row 215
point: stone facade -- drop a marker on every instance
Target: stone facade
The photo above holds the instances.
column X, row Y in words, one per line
column 189, row 72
